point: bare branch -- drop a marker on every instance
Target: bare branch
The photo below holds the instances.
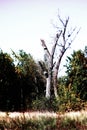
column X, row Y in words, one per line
column 64, row 31
column 61, row 20
column 66, row 22
column 54, row 46
column 44, row 46
column 55, row 26
column 65, row 26
column 75, row 35
column 63, row 40
column 59, row 61
column 70, row 33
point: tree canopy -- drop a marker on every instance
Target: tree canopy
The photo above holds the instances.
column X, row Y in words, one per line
column 77, row 73
column 21, row 81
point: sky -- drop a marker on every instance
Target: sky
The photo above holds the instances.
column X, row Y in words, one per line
column 24, row 22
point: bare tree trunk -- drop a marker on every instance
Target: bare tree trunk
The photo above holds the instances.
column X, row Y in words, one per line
column 63, row 40
column 48, row 87
column 56, row 70
column 47, row 63
column 55, row 82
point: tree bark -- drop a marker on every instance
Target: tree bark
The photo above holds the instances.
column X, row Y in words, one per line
column 48, row 87
column 63, row 40
column 55, row 82
column 47, row 62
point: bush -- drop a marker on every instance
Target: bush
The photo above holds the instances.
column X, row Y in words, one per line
column 45, row 104
column 68, row 100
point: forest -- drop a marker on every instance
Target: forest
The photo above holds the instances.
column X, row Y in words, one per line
column 23, row 83
column 27, row 84
column 32, row 94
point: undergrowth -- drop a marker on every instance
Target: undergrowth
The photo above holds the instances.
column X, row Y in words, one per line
column 66, row 121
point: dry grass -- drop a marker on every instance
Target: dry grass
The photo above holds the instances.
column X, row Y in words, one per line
column 63, row 120
column 79, row 115
column 27, row 120
column 72, row 121
column 33, row 115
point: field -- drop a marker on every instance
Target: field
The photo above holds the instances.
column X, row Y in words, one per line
column 43, row 121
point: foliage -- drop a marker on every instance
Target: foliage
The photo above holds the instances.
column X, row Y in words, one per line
column 31, row 80
column 72, row 87
column 68, row 99
column 45, row 104
column 21, row 81
column 8, row 82
column 22, row 84
column 77, row 74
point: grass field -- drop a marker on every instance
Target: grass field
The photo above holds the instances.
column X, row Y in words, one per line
column 43, row 120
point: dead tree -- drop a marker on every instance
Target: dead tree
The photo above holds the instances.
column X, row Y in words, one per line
column 62, row 42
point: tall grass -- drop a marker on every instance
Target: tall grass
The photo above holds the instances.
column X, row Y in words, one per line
column 43, row 121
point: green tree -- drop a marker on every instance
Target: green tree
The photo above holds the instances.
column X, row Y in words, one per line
column 7, row 82
column 30, row 79
column 77, row 73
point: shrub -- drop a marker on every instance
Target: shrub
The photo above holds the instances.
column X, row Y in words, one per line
column 45, row 104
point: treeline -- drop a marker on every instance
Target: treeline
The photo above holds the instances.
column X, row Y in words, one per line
column 22, row 83
column 73, row 86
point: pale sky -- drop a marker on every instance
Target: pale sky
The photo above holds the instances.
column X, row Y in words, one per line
column 24, row 22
